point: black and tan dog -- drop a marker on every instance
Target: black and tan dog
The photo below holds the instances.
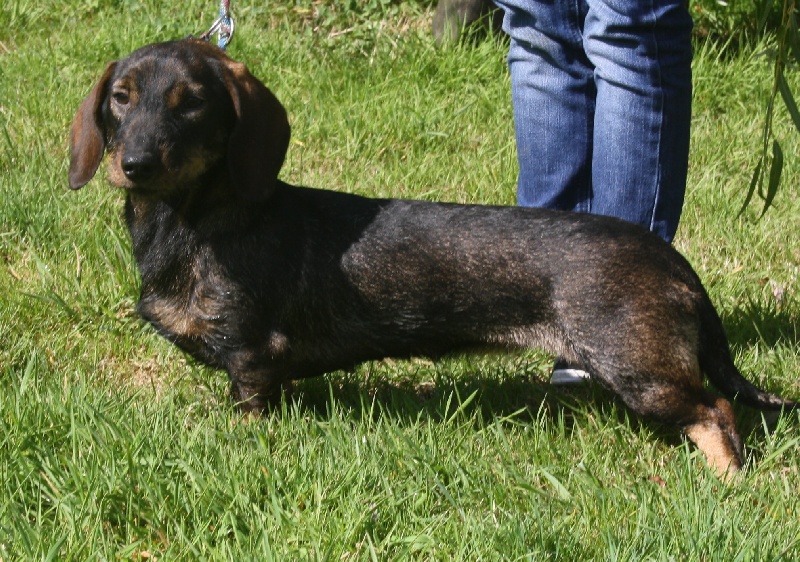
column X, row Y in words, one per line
column 273, row 282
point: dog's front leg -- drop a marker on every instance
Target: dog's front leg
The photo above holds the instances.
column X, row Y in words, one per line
column 257, row 383
column 257, row 391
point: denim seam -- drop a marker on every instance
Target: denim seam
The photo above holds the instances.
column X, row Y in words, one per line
column 660, row 99
column 585, row 193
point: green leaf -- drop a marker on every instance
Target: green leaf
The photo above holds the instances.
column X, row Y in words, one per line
column 788, row 99
column 763, row 8
column 561, row 490
column 774, row 175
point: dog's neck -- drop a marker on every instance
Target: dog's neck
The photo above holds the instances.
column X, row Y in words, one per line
column 165, row 230
column 197, row 207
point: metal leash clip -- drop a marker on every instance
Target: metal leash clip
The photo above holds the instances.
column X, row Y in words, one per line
column 223, row 27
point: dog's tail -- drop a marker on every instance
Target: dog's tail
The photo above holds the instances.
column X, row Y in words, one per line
column 717, row 363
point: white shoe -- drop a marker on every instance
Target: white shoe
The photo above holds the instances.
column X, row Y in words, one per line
column 564, row 373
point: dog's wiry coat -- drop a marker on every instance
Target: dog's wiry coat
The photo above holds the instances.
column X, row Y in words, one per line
column 273, row 282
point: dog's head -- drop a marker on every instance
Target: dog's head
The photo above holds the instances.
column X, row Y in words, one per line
column 172, row 112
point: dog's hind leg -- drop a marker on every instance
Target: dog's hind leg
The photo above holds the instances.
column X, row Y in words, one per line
column 706, row 419
column 672, row 392
column 713, row 430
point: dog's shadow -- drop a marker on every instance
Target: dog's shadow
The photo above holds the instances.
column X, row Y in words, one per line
column 483, row 390
column 769, row 324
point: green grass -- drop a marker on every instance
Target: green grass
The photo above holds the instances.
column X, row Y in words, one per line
column 114, row 446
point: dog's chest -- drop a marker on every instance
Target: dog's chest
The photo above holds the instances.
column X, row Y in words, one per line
column 192, row 311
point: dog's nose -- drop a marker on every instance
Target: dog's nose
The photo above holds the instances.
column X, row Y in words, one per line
column 138, row 167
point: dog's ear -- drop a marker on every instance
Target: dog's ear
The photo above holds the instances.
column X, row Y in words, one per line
column 87, row 140
column 260, row 138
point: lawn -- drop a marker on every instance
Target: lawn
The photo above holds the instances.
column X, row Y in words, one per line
column 115, row 446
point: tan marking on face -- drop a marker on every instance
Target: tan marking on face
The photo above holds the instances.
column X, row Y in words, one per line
column 126, row 85
column 195, row 165
column 176, row 95
column 115, row 175
column 171, row 178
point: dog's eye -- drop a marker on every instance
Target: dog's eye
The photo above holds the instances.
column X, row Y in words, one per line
column 120, row 97
column 193, row 103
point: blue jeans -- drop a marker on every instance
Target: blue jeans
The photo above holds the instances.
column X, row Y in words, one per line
column 602, row 93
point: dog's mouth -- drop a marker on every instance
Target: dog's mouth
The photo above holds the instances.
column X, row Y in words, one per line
column 152, row 176
column 134, row 171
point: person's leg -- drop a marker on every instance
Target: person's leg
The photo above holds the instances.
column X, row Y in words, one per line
column 625, row 155
column 553, row 91
column 641, row 51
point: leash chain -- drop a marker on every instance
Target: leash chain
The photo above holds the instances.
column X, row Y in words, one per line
column 223, row 27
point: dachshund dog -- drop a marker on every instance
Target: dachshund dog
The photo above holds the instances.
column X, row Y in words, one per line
column 273, row 282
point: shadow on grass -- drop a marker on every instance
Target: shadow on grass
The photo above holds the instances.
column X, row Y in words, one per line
column 478, row 395
column 768, row 323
